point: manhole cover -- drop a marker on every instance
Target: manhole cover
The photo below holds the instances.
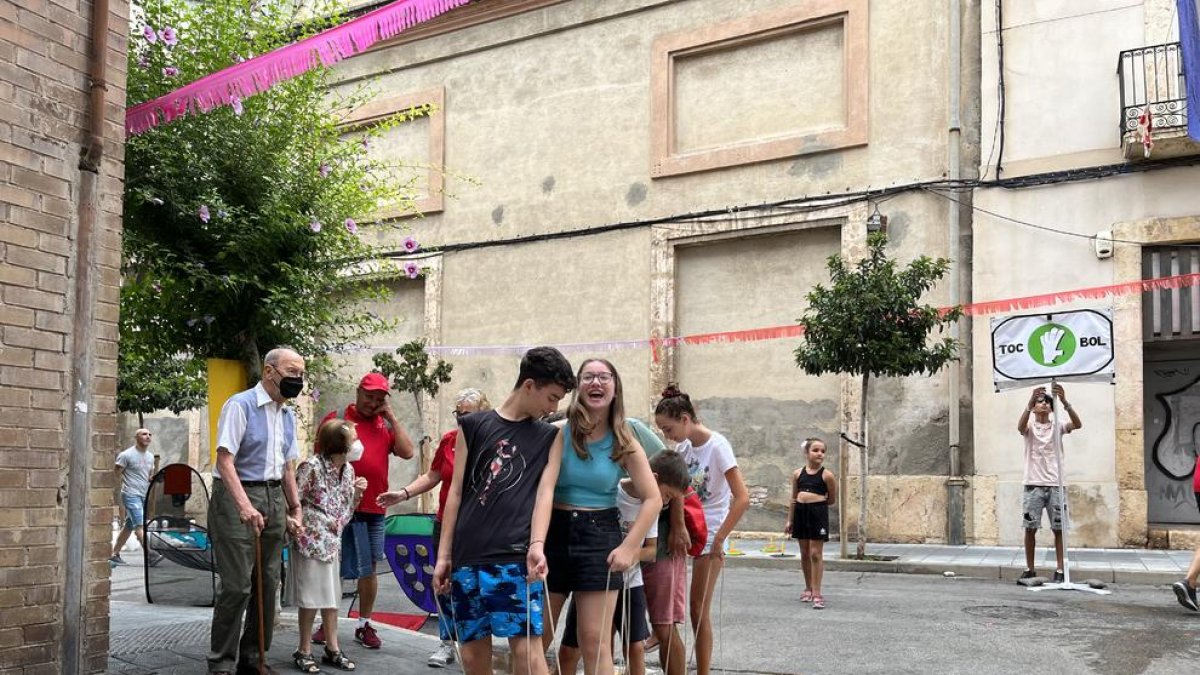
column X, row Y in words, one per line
column 1010, row 612
column 155, row 638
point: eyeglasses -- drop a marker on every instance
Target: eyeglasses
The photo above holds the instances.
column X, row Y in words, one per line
column 602, row 378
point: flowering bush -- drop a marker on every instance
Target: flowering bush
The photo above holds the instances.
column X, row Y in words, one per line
column 224, row 251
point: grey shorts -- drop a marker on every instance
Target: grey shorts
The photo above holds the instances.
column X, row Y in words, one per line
column 1040, row 498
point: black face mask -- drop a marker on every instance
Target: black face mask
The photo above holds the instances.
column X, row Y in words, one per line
column 290, row 387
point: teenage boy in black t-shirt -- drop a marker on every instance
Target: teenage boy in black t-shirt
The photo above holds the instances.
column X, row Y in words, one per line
column 490, row 557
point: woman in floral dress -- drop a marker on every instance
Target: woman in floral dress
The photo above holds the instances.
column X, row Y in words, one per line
column 329, row 492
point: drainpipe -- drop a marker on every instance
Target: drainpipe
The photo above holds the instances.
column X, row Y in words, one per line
column 79, row 458
column 955, row 484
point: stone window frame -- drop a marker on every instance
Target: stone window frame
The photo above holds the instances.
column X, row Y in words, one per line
column 665, row 239
column 378, row 109
column 850, row 14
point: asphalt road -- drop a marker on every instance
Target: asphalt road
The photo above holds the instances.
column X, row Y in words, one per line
column 897, row 623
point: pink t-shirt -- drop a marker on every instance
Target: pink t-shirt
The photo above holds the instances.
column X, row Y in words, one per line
column 1041, row 466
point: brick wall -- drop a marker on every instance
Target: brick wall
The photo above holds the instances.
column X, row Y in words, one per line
column 44, row 54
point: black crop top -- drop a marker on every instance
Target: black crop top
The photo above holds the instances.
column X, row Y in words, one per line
column 814, row 483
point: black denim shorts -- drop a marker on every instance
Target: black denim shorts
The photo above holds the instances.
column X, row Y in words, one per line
column 577, row 548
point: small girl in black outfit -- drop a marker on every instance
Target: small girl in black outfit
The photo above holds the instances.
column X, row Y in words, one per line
column 814, row 490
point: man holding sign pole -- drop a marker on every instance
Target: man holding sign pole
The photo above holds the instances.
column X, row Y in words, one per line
column 1043, row 487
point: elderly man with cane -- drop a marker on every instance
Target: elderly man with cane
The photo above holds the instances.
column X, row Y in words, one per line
column 254, row 500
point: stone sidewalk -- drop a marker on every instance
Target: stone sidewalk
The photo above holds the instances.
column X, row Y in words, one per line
column 160, row 640
column 1141, row 566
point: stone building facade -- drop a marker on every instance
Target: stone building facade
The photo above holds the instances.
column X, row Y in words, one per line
column 1135, row 217
column 60, row 243
column 640, row 169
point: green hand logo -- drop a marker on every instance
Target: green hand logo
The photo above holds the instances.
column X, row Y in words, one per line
column 1051, row 345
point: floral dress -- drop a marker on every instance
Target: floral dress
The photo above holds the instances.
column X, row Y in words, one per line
column 327, row 500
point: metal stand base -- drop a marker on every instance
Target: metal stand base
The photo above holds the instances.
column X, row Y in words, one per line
column 1068, row 586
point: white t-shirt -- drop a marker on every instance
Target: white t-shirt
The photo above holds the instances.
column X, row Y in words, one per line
column 1041, row 466
column 707, row 465
column 137, row 465
column 629, row 509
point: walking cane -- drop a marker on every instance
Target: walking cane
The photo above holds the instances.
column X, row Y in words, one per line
column 262, row 652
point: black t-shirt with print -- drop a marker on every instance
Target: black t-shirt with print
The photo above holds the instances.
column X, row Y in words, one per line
column 505, row 461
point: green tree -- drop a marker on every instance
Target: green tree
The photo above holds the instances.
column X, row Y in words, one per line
column 414, row 372
column 869, row 321
column 240, row 228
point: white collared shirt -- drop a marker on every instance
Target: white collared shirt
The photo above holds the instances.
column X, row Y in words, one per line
column 231, row 429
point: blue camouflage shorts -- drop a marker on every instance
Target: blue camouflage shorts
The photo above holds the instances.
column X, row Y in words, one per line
column 494, row 600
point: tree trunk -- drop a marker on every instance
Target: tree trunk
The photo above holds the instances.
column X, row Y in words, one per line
column 861, row 551
column 423, row 458
column 251, row 359
column 141, row 422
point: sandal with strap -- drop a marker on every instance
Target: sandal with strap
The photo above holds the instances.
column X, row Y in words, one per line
column 806, row 596
column 818, row 601
column 305, row 663
column 338, row 660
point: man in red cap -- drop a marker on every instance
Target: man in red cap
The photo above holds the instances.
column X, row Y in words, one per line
column 362, row 540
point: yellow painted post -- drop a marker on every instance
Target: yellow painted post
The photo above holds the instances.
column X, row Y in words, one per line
column 226, row 377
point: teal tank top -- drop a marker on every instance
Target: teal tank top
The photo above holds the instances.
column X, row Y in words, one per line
column 588, row 483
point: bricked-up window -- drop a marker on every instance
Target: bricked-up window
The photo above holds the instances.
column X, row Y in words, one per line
column 416, row 148
column 778, row 84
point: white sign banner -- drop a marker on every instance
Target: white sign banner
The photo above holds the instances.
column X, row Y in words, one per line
column 1035, row 348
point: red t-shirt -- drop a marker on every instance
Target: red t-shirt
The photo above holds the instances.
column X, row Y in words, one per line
column 443, row 463
column 1196, row 476
column 377, row 441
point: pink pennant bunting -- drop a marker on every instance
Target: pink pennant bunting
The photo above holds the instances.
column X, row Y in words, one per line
column 243, row 80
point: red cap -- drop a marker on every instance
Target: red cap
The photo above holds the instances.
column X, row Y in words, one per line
column 374, row 382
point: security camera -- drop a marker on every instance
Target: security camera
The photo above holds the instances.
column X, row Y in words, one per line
column 1104, row 244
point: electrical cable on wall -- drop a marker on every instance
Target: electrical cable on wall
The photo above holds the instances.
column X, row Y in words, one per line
column 805, row 204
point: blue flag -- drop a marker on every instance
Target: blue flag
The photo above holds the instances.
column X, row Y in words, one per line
column 1189, row 41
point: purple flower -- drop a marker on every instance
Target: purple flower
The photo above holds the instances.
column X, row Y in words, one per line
column 366, row 143
column 236, row 102
column 203, row 213
column 157, row 287
column 351, row 226
column 314, row 225
column 170, row 71
column 209, row 318
column 411, row 269
column 191, row 322
column 410, row 245
column 149, row 34
column 221, row 213
column 143, row 61
column 168, row 36
column 316, row 395
column 325, row 169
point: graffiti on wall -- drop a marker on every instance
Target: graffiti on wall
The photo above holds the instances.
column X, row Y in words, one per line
column 1172, row 432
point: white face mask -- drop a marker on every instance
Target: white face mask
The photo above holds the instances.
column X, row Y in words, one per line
column 356, row 452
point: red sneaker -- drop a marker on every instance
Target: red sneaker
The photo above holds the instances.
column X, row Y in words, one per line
column 318, row 636
column 367, row 637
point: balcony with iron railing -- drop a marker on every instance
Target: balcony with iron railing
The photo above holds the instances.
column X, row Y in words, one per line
column 1152, row 84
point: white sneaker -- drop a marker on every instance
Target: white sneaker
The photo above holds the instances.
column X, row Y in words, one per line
column 443, row 657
